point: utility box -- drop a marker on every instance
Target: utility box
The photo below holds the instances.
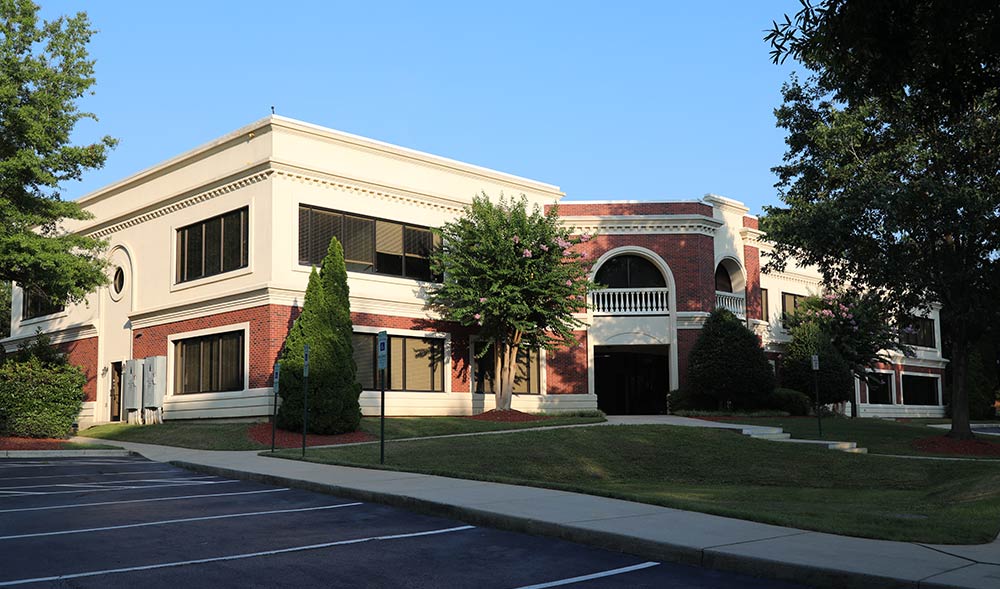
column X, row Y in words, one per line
column 132, row 385
column 154, row 381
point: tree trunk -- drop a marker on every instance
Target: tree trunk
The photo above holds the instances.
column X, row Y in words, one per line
column 960, row 429
column 504, row 371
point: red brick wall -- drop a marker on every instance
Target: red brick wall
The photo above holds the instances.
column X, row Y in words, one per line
column 685, row 341
column 751, row 261
column 83, row 353
column 566, row 368
column 642, row 208
column 269, row 324
column 751, row 222
column 691, row 259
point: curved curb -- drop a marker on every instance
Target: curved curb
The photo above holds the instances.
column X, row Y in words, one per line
column 661, row 551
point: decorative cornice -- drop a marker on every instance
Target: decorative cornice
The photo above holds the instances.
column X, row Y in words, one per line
column 62, row 336
column 752, row 236
column 636, row 224
column 361, row 188
column 722, row 202
column 691, row 319
column 131, row 221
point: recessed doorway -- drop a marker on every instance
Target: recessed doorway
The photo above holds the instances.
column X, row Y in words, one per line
column 632, row 380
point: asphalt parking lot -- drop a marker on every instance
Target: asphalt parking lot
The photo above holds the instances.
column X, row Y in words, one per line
column 125, row 522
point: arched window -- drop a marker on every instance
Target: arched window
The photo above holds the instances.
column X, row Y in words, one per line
column 629, row 271
column 723, row 283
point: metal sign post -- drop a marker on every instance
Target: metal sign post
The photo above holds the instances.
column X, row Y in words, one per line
column 274, row 416
column 305, row 398
column 819, row 412
column 383, row 345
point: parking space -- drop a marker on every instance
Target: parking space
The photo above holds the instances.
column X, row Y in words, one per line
column 128, row 521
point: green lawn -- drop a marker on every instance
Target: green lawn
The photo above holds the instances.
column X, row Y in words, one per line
column 723, row 473
column 233, row 436
column 880, row 436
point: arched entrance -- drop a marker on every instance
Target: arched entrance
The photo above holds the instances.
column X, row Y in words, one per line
column 632, row 337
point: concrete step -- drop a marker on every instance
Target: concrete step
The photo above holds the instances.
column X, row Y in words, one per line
column 761, row 429
column 771, row 436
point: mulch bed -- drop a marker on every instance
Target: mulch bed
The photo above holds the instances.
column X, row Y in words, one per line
column 31, row 443
column 946, row 445
column 261, row 433
column 509, row 416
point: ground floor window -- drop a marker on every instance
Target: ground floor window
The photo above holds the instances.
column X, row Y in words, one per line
column 413, row 364
column 880, row 388
column 527, row 375
column 210, row 363
column 920, row 390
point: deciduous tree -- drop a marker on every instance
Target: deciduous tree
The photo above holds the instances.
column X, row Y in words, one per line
column 514, row 277
column 891, row 180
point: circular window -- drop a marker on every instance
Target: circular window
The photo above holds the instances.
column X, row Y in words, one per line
column 118, row 282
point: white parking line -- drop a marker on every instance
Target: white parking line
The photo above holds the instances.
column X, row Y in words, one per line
column 177, row 521
column 611, row 573
column 193, row 478
column 123, row 488
column 39, row 463
column 98, row 503
column 234, row 556
column 103, row 474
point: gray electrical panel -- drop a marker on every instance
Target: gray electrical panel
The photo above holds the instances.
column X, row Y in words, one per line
column 132, row 385
column 154, row 381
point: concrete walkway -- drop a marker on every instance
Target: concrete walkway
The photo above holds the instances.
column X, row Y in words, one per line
column 650, row 531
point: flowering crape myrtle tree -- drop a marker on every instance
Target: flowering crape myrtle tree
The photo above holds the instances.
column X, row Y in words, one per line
column 858, row 325
column 513, row 276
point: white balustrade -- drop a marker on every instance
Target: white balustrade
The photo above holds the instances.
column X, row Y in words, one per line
column 734, row 302
column 630, row 301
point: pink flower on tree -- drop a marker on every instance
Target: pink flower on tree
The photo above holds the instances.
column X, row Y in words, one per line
column 517, row 239
column 569, row 283
column 527, row 253
column 482, row 299
column 543, row 247
column 585, row 237
column 477, row 316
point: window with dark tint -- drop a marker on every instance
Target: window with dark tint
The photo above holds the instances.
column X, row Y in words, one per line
column 36, row 303
column 920, row 390
column 628, row 271
column 919, row 331
column 413, row 363
column 723, row 283
column 213, row 246
column 209, row 364
column 765, row 310
column 370, row 245
column 527, row 372
column 880, row 388
column 789, row 302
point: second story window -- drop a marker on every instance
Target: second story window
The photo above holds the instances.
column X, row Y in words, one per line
column 370, row 245
column 765, row 311
column 36, row 303
column 789, row 302
column 918, row 331
column 213, row 246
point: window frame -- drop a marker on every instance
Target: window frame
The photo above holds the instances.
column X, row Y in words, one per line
column 784, row 308
column 940, row 383
column 443, row 339
column 173, row 360
column 765, row 311
column 913, row 320
column 404, row 257
column 47, row 309
column 181, row 236
column 893, row 387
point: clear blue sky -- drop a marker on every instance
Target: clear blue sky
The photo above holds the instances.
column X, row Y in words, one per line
column 609, row 100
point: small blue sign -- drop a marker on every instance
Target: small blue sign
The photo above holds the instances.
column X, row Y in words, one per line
column 383, row 349
column 305, row 369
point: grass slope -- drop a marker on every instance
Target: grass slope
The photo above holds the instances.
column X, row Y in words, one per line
column 233, row 436
column 723, row 473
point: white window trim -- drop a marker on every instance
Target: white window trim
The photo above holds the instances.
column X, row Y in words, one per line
column 421, row 334
column 542, row 368
column 173, row 338
column 178, row 286
column 892, row 386
column 940, row 392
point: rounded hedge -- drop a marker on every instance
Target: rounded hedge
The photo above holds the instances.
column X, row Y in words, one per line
column 728, row 365
column 39, row 400
column 792, row 401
